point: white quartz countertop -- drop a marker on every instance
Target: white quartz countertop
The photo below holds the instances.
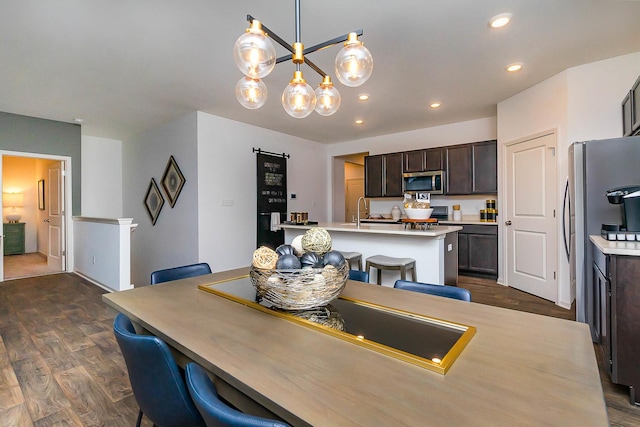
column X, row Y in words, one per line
column 611, row 247
column 392, row 229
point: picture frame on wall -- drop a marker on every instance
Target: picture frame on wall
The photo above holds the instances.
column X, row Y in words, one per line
column 41, row 205
column 172, row 181
column 153, row 201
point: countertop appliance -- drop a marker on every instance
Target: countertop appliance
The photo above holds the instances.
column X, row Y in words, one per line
column 628, row 199
column 594, row 167
column 423, row 182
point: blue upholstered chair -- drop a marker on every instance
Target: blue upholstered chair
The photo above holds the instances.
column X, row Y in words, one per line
column 157, row 382
column 215, row 412
column 360, row 276
column 181, row 272
column 439, row 290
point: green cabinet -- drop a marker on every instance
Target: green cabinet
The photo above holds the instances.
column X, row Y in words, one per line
column 13, row 238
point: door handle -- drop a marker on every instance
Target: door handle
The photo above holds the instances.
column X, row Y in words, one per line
column 507, row 223
column 45, row 220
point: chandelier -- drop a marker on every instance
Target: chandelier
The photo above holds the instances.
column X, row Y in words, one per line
column 255, row 55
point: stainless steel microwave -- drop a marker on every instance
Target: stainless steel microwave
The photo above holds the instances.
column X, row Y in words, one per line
column 423, row 182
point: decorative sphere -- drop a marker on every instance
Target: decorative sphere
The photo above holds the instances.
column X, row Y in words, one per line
column 288, row 262
column 311, row 259
column 285, row 249
column 251, row 93
column 334, row 258
column 317, row 240
column 265, row 257
column 254, row 54
column 297, row 245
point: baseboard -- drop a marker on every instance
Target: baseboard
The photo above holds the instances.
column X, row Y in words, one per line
column 97, row 283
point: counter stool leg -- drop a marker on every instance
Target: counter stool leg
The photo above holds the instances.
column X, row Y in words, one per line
column 414, row 274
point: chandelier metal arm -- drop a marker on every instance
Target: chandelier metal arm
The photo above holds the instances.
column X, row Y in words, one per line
column 323, row 45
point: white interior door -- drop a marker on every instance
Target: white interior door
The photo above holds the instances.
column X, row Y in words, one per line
column 355, row 190
column 55, row 192
column 530, row 224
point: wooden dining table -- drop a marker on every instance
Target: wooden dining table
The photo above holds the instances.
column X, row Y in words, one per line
column 518, row 369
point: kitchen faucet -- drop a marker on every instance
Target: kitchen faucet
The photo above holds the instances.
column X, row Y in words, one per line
column 365, row 208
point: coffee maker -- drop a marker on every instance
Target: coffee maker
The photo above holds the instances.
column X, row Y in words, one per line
column 629, row 199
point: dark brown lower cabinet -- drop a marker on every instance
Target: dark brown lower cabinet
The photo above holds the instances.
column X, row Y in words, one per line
column 617, row 317
column 478, row 250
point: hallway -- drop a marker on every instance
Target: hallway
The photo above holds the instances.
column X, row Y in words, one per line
column 26, row 265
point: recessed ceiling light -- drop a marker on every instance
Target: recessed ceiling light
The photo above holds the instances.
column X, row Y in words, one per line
column 514, row 67
column 78, row 120
column 435, row 105
column 359, row 121
column 500, row 21
column 363, row 97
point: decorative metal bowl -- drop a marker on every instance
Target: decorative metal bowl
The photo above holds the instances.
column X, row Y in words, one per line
column 299, row 289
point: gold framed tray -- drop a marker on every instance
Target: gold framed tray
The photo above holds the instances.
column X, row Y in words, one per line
column 423, row 341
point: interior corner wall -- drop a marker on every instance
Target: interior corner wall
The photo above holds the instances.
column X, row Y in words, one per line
column 227, row 175
column 102, row 177
column 173, row 241
column 32, row 135
column 580, row 103
column 595, row 96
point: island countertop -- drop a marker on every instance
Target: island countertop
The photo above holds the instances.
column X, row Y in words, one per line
column 435, row 250
column 437, row 231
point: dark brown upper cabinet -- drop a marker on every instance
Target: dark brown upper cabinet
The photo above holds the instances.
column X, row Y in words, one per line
column 429, row 159
column 458, row 169
column 485, row 167
column 383, row 175
column 472, row 168
column 627, row 113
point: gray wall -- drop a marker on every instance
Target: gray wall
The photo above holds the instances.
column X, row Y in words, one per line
column 41, row 136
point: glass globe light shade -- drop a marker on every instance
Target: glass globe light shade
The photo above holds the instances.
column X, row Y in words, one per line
column 298, row 98
column 253, row 52
column 328, row 98
column 251, row 93
column 354, row 63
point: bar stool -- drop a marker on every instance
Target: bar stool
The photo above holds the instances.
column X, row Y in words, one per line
column 352, row 257
column 382, row 262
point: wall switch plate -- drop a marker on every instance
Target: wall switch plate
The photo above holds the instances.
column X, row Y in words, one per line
column 449, row 247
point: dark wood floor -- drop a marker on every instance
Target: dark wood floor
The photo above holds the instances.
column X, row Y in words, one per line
column 60, row 363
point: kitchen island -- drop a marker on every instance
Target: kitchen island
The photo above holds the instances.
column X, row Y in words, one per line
column 435, row 250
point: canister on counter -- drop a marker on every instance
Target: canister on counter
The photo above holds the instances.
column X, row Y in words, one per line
column 483, row 215
column 491, row 204
column 491, row 215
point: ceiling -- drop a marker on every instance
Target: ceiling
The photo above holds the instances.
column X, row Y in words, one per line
column 128, row 66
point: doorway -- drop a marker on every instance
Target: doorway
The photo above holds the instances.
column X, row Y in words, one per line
column 36, row 241
column 530, row 226
column 348, row 186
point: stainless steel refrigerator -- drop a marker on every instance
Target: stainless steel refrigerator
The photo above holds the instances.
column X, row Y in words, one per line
column 594, row 167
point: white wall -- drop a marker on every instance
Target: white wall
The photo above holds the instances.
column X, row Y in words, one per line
column 580, row 103
column 227, row 171
column 101, row 177
column 173, row 239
